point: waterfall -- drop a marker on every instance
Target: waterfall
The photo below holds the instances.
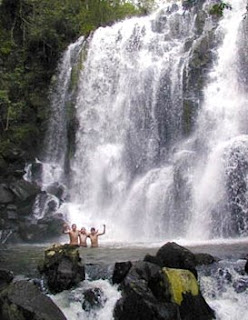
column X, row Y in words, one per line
column 56, row 141
column 220, row 178
column 161, row 147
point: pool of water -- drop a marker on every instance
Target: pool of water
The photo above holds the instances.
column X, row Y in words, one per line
column 24, row 259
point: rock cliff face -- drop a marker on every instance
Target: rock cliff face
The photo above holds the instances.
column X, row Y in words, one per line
column 26, row 212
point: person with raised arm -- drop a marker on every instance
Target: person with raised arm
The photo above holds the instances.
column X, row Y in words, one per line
column 94, row 234
column 83, row 235
column 72, row 232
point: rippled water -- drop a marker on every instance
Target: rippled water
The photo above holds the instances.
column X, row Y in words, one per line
column 23, row 259
column 220, row 292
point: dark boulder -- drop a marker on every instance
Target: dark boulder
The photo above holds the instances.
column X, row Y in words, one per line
column 54, row 225
column 152, row 259
column 120, row 271
column 246, row 266
column 36, row 170
column 23, row 300
column 151, row 291
column 62, row 267
column 145, row 295
column 172, row 255
column 204, row 259
column 6, row 196
column 93, row 299
column 24, row 190
column 185, row 292
column 58, row 190
column 6, row 277
column 32, row 230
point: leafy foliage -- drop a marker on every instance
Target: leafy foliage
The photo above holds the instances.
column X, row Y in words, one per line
column 33, row 34
column 218, row 8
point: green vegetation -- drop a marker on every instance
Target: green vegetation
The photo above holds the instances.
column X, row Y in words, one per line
column 33, row 34
column 218, row 8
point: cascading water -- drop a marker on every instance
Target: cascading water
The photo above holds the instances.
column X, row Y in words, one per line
column 56, row 142
column 220, row 178
column 161, row 146
column 130, row 110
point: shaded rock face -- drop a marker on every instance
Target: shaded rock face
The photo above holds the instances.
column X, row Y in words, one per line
column 120, row 271
column 17, row 197
column 27, row 213
column 23, row 300
column 43, row 229
column 62, row 267
column 201, row 56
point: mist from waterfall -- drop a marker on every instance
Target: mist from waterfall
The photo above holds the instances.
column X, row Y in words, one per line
column 135, row 169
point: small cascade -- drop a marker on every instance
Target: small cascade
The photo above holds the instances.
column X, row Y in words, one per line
column 56, row 142
column 45, row 204
column 224, row 286
column 73, row 303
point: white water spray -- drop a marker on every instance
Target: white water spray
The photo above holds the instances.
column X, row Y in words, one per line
column 133, row 168
column 56, row 142
column 220, row 133
column 130, row 85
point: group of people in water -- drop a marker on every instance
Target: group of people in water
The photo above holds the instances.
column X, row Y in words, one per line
column 79, row 237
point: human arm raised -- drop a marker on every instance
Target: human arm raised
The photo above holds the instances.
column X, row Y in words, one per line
column 66, row 228
column 104, row 230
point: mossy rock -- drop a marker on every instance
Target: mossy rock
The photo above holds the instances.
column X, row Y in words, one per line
column 62, row 267
column 57, row 251
column 185, row 292
column 181, row 281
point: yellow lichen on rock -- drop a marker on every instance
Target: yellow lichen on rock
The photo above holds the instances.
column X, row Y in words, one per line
column 181, row 281
column 50, row 253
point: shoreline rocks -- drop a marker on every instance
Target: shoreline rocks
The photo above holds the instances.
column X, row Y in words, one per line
column 162, row 287
column 23, row 300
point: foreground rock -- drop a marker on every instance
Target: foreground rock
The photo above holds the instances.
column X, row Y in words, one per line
column 93, row 299
column 145, row 295
column 21, row 300
column 174, row 256
column 62, row 267
column 163, row 287
column 6, row 277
